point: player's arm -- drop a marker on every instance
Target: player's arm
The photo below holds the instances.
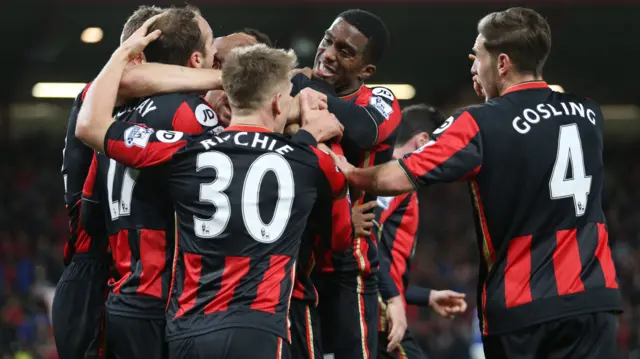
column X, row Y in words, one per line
column 94, row 117
column 154, row 78
column 365, row 124
column 416, row 295
column 456, row 154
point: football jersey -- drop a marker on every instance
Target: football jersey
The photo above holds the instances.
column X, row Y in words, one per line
column 76, row 164
column 383, row 109
column 242, row 201
column 329, row 230
column 141, row 222
column 533, row 159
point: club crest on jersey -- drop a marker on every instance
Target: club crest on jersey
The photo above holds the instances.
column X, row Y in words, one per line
column 206, row 116
column 137, row 136
column 381, row 105
column 381, row 91
column 384, row 202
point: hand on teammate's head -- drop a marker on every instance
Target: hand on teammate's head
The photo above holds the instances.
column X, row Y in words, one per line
column 136, row 43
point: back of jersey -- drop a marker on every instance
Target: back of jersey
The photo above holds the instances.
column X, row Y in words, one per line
column 242, row 200
column 141, row 219
column 538, row 196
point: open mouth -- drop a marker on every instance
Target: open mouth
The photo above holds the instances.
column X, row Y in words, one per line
column 323, row 70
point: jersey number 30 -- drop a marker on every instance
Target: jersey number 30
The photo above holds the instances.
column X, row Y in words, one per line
column 570, row 154
column 213, row 193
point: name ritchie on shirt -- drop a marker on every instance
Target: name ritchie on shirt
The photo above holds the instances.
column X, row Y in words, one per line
column 545, row 111
column 240, row 139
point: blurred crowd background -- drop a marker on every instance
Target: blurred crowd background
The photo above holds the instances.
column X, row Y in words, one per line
column 591, row 55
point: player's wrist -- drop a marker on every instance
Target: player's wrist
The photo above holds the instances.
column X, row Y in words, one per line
column 120, row 56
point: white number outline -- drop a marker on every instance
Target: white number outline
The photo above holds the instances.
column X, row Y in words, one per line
column 122, row 206
column 579, row 186
column 259, row 231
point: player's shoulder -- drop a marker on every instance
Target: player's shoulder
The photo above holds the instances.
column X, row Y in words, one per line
column 383, row 93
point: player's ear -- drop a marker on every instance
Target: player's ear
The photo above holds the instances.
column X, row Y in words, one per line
column 195, row 60
column 275, row 105
column 367, row 71
column 504, row 64
column 421, row 139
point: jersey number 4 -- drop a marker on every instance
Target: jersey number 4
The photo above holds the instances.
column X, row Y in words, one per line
column 213, row 193
column 570, row 153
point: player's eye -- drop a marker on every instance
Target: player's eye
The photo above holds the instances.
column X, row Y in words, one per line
column 327, row 40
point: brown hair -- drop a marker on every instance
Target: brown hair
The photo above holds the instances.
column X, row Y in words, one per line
column 251, row 74
column 181, row 36
column 521, row 33
column 137, row 19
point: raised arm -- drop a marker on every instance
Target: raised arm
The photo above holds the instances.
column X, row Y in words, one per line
column 154, row 78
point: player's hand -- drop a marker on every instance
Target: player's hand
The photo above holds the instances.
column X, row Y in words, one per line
column 136, row 43
column 307, row 71
column 447, row 303
column 344, row 166
column 362, row 218
column 320, row 123
column 316, row 101
column 397, row 319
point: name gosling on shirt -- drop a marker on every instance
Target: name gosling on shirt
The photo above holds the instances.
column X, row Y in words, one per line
column 522, row 124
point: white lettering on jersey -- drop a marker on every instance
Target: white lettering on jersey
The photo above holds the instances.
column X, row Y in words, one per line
column 137, row 136
column 168, row 136
column 522, row 124
column 206, row 116
column 381, row 91
column 381, row 106
column 249, row 139
column 145, row 107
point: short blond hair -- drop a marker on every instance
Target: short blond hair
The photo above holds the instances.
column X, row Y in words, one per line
column 252, row 74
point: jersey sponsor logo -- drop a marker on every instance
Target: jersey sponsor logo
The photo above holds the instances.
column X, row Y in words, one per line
column 137, row 136
column 448, row 122
column 381, row 106
column 206, row 116
column 430, row 143
column 384, row 202
column 381, row 91
column 168, row 136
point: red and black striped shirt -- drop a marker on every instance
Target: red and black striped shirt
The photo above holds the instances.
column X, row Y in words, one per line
column 242, row 200
column 140, row 219
column 76, row 169
column 365, row 148
column 533, row 158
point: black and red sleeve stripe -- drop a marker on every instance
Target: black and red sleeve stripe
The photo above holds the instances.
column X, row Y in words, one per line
column 138, row 146
column 455, row 155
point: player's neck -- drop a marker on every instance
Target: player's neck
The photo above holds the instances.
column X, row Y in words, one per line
column 517, row 79
column 349, row 90
column 253, row 120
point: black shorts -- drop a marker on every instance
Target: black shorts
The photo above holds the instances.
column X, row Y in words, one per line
column 408, row 348
column 349, row 322
column 305, row 331
column 590, row 336
column 232, row 343
column 77, row 312
column 135, row 338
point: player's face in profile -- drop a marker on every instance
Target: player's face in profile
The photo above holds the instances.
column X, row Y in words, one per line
column 207, row 37
column 485, row 69
column 340, row 56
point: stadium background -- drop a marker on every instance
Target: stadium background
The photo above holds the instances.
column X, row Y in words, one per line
column 592, row 55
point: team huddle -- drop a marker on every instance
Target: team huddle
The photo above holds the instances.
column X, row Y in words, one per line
column 224, row 204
